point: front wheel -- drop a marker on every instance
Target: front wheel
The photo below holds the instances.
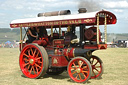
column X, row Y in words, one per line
column 79, row 69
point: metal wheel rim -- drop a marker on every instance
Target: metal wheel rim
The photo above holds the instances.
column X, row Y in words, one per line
column 82, row 70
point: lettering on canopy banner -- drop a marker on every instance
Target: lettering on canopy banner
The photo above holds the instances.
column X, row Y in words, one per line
column 52, row 23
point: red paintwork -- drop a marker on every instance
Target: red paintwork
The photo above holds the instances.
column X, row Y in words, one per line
column 58, row 43
column 40, row 42
column 69, row 52
column 91, row 34
column 100, row 46
column 59, row 61
column 111, row 18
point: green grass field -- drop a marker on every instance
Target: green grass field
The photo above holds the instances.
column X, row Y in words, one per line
column 115, row 69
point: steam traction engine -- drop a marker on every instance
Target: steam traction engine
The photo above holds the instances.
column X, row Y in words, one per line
column 65, row 50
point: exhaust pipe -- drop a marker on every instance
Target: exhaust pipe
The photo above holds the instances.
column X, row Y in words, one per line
column 55, row 13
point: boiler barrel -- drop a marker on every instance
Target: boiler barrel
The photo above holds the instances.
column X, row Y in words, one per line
column 75, row 52
column 55, row 13
column 81, row 52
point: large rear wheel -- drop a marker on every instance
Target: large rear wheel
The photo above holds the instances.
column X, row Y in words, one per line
column 33, row 61
column 79, row 69
column 97, row 67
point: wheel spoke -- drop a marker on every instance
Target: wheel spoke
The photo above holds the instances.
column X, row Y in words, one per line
column 72, row 68
column 97, row 66
column 74, row 65
column 92, row 61
column 84, row 75
column 30, row 71
column 85, row 67
column 28, row 66
column 95, row 63
column 33, row 69
column 31, row 51
column 37, row 65
column 96, row 70
column 93, row 72
column 74, row 72
column 37, row 54
column 80, row 76
column 25, row 64
column 80, row 63
column 84, row 71
column 26, row 55
column 26, row 59
column 76, row 76
column 36, row 69
column 34, row 53
column 39, row 62
column 38, row 58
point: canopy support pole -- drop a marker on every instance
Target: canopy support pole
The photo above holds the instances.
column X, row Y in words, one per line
column 105, row 30
column 21, row 41
column 59, row 30
column 98, row 29
column 51, row 31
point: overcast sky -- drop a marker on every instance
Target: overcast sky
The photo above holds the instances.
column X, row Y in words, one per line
column 19, row 9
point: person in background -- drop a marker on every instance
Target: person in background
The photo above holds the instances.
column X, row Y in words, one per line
column 32, row 35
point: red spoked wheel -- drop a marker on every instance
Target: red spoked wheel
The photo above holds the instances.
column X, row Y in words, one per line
column 97, row 67
column 79, row 69
column 33, row 61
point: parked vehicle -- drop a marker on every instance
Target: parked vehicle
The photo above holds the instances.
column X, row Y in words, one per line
column 63, row 50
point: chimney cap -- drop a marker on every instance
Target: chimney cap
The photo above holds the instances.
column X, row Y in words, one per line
column 82, row 10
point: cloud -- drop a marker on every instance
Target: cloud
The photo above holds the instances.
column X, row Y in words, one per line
column 115, row 4
column 28, row 15
column 118, row 10
column 2, row 14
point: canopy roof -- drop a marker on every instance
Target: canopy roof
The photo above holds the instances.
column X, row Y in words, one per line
column 64, row 20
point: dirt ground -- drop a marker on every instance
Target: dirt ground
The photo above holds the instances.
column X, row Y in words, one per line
column 115, row 62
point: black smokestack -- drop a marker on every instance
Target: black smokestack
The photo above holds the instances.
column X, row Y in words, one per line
column 90, row 5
